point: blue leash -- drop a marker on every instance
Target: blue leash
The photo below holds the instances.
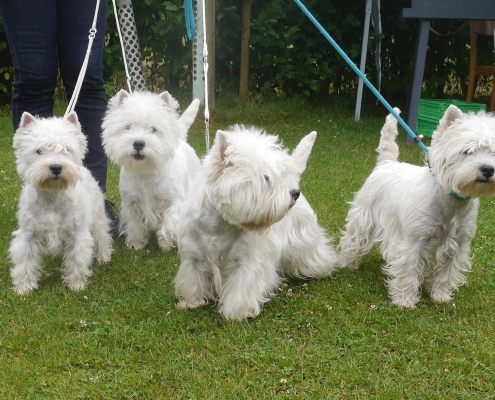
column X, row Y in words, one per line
column 190, row 27
column 365, row 80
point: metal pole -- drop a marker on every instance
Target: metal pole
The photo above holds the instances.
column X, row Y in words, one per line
column 131, row 43
column 198, row 72
column 364, row 49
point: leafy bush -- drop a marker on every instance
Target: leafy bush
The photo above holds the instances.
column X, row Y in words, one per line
column 288, row 54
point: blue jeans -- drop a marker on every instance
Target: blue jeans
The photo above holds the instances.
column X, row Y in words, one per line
column 45, row 36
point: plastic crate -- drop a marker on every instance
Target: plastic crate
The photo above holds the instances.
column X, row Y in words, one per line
column 426, row 126
column 431, row 111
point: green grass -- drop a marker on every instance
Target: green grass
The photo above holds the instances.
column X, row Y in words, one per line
column 122, row 338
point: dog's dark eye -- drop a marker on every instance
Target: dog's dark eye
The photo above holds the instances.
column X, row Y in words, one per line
column 466, row 152
column 39, row 151
column 267, row 178
column 153, row 129
column 127, row 127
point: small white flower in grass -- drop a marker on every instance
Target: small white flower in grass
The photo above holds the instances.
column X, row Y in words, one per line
column 86, row 298
column 446, row 370
column 373, row 307
column 167, row 314
column 107, row 322
column 283, row 381
column 329, row 308
column 289, row 293
column 83, row 323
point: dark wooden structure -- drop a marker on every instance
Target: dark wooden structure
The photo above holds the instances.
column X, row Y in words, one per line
column 425, row 11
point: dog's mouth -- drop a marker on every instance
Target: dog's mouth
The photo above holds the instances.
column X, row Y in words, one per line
column 138, row 157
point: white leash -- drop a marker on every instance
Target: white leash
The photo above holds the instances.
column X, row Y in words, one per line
column 124, row 58
column 80, row 79
column 205, row 71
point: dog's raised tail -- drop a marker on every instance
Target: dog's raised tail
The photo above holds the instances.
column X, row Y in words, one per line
column 388, row 150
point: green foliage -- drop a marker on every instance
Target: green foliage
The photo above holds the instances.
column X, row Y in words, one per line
column 288, row 54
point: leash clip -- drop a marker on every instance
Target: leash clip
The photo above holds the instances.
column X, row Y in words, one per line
column 418, row 138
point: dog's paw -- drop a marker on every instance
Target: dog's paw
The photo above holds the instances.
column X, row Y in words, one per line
column 183, row 305
column 104, row 258
column 440, row 296
column 165, row 242
column 165, row 247
column 76, row 286
column 353, row 266
column 25, row 287
column 411, row 304
column 238, row 315
column 135, row 246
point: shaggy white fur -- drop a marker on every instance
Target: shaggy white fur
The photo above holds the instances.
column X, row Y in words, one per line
column 245, row 225
column 61, row 208
column 145, row 136
column 424, row 218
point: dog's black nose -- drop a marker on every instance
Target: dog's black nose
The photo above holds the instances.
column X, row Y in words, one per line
column 487, row 171
column 56, row 169
column 295, row 194
column 138, row 145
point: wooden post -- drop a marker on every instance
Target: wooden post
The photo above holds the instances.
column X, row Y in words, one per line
column 246, row 32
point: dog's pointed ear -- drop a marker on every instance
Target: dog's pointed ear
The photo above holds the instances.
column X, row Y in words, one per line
column 451, row 115
column 72, row 118
column 81, row 137
column 169, row 100
column 302, row 152
column 222, row 142
column 121, row 96
column 117, row 100
column 188, row 117
column 26, row 120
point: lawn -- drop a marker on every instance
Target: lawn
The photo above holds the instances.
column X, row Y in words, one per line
column 123, row 338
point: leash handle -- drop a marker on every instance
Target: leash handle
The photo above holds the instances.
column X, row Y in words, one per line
column 82, row 73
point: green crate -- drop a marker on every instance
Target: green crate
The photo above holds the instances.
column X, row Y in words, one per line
column 426, row 126
column 432, row 110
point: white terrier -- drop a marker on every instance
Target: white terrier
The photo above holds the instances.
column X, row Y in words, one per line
column 61, row 208
column 424, row 218
column 241, row 228
column 144, row 135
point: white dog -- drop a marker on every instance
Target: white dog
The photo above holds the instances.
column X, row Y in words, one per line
column 424, row 218
column 245, row 223
column 144, row 135
column 61, row 208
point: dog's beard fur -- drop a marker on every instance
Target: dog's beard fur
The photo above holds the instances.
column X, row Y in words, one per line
column 40, row 176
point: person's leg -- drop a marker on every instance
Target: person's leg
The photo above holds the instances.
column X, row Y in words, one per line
column 75, row 19
column 30, row 26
